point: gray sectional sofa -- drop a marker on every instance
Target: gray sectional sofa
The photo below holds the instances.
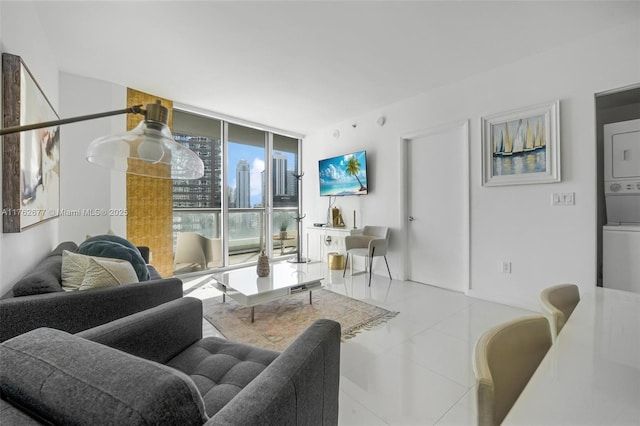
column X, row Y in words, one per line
column 154, row 367
column 38, row 300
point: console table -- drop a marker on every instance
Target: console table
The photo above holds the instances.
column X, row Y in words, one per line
column 322, row 240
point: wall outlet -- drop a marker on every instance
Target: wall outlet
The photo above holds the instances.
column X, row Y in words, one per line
column 506, row 267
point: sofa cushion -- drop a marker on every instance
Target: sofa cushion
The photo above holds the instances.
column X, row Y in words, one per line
column 66, row 245
column 12, row 415
column 45, row 276
column 80, row 272
column 153, row 273
column 220, row 369
column 70, row 380
column 116, row 247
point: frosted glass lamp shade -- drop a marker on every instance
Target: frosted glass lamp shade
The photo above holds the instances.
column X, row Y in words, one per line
column 150, row 143
column 147, row 150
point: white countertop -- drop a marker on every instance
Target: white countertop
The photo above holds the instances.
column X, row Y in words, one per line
column 591, row 375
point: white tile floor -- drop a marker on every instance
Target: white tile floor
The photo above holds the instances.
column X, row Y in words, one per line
column 416, row 368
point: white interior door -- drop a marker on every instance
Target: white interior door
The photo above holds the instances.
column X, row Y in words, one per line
column 438, row 207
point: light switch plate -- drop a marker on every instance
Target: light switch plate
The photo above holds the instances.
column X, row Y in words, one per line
column 563, row 199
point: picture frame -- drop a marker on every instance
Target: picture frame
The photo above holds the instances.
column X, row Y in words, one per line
column 30, row 159
column 522, row 146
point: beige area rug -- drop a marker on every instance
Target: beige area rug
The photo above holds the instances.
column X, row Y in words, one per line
column 278, row 323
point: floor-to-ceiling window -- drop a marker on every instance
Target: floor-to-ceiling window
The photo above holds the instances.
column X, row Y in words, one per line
column 247, row 200
column 246, row 183
column 197, row 203
column 284, row 193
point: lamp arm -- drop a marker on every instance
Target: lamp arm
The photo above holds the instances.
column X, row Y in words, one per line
column 136, row 109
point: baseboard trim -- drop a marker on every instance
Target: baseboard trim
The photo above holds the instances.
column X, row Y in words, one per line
column 515, row 302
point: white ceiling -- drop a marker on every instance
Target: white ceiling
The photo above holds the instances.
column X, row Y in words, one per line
column 301, row 66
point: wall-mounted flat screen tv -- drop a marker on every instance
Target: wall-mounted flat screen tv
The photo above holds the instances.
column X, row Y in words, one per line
column 344, row 175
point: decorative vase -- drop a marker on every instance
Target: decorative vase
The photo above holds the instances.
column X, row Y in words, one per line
column 263, row 265
column 283, row 235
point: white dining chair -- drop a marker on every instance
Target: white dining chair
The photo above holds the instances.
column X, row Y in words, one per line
column 374, row 241
column 505, row 358
column 557, row 303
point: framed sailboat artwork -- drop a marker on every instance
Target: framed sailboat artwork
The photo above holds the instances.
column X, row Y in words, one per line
column 522, row 146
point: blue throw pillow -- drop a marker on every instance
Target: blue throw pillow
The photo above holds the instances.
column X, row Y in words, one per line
column 118, row 248
column 113, row 238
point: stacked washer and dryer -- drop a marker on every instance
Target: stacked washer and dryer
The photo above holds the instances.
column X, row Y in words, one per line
column 621, row 235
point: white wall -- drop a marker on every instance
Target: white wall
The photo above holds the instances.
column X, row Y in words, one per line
column 82, row 185
column 20, row 35
column 546, row 245
column 85, row 186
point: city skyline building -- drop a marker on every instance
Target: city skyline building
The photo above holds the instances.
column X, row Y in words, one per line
column 243, row 185
column 206, row 191
column 279, row 171
column 292, row 183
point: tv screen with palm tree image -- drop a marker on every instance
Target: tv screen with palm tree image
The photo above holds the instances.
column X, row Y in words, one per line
column 343, row 175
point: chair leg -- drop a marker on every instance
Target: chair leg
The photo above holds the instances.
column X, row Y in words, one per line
column 388, row 270
column 351, row 266
column 344, row 271
column 371, row 264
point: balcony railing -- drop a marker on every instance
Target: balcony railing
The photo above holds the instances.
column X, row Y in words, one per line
column 246, row 234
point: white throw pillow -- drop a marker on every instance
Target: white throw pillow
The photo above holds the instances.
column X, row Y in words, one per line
column 80, row 272
column 107, row 273
column 73, row 268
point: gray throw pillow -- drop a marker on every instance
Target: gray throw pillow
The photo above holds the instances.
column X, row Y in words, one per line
column 67, row 245
column 45, row 276
column 66, row 379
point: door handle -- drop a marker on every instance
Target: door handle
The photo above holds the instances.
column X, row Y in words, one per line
column 411, row 219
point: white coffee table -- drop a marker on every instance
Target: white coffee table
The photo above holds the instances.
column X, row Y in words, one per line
column 245, row 287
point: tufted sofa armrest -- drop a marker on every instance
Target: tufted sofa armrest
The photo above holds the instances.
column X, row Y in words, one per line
column 77, row 311
column 300, row 387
